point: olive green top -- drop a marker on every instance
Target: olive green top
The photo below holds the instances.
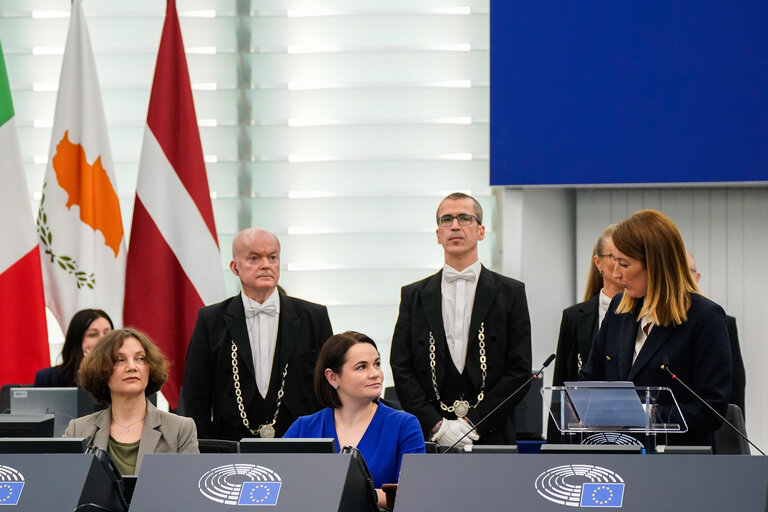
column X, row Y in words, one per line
column 124, row 455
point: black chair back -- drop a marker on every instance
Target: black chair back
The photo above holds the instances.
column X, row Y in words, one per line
column 728, row 442
column 218, row 446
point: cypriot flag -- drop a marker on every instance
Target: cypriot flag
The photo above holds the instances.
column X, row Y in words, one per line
column 79, row 223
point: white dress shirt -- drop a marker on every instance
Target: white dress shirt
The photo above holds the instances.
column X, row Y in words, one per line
column 261, row 321
column 458, row 292
column 604, row 302
column 642, row 335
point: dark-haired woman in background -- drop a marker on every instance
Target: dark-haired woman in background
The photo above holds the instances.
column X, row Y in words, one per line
column 122, row 370
column 84, row 331
column 348, row 382
column 662, row 318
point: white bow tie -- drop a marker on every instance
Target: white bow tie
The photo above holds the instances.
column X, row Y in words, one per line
column 452, row 275
column 254, row 309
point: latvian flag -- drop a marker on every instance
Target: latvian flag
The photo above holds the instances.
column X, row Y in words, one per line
column 174, row 266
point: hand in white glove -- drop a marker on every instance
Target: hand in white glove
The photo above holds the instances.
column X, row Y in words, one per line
column 466, row 426
column 451, row 431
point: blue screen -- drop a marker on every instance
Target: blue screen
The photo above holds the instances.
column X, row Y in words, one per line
column 588, row 92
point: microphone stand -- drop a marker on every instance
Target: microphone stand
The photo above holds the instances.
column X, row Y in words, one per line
column 524, row 384
column 666, row 368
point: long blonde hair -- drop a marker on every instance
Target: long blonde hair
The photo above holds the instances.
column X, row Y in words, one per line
column 594, row 277
column 652, row 237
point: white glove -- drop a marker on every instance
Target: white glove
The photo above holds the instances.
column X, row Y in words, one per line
column 451, row 431
column 467, row 426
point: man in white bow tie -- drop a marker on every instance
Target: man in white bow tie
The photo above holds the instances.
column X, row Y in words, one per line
column 462, row 342
column 251, row 358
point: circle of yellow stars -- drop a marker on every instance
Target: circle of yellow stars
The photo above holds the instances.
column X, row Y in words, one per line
column 264, row 497
column 8, row 489
column 602, row 488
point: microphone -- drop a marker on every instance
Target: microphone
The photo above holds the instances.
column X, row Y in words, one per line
column 474, row 427
column 665, row 367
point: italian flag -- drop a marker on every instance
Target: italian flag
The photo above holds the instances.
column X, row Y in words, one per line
column 23, row 330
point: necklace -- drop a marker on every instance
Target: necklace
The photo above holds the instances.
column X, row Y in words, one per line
column 267, row 430
column 127, row 428
column 460, row 407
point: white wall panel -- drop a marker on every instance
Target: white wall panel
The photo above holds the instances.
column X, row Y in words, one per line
column 352, row 119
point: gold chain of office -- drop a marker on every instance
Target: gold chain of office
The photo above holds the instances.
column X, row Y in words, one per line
column 460, row 407
column 268, row 429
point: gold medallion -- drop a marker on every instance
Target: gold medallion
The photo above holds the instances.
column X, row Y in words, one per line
column 461, row 408
column 266, row 431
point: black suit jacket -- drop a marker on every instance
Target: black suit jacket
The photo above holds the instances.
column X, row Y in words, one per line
column 501, row 305
column 698, row 352
column 209, row 391
column 50, row 378
column 577, row 330
column 737, row 364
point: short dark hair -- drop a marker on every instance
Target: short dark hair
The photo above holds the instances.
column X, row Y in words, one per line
column 461, row 195
column 333, row 355
column 97, row 367
column 72, row 351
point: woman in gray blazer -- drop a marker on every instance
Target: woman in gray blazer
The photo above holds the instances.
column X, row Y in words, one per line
column 122, row 370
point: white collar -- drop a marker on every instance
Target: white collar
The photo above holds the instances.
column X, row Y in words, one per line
column 474, row 268
column 249, row 303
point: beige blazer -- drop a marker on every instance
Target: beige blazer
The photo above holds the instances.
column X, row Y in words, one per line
column 163, row 432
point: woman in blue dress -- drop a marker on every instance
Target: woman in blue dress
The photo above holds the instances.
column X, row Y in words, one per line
column 348, row 382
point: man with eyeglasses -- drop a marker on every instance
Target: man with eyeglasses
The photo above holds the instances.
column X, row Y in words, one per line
column 462, row 342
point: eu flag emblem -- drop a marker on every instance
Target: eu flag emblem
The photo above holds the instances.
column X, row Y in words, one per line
column 10, row 492
column 259, row 493
column 603, row 494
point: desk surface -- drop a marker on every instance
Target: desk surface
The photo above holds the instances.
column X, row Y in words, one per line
column 559, row 482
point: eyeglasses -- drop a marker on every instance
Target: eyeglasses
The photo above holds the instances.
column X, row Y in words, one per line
column 465, row 219
column 604, row 255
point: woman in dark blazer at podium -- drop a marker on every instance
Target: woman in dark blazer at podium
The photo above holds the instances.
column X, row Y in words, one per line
column 122, row 370
column 348, row 381
column 661, row 318
column 84, row 331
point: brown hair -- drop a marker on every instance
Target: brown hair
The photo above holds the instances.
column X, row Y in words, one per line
column 333, row 355
column 97, row 367
column 594, row 277
column 461, row 195
column 652, row 237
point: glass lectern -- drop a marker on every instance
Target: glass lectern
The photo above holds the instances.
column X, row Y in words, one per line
column 597, row 412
